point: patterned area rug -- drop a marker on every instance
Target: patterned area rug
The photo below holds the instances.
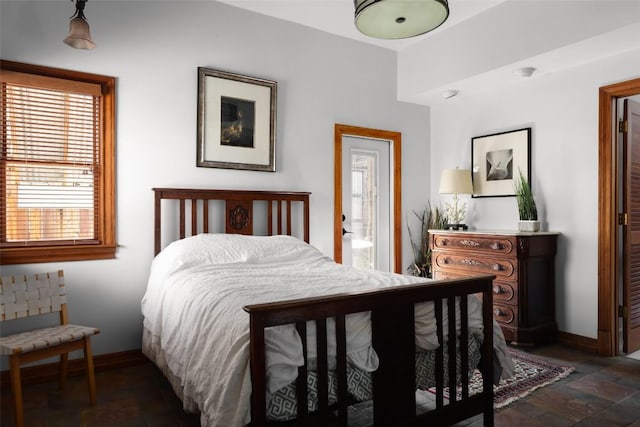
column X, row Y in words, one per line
column 531, row 373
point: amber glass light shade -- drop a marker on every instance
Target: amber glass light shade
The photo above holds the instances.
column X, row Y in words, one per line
column 79, row 36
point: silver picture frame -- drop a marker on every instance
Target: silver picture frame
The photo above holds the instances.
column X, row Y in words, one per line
column 236, row 121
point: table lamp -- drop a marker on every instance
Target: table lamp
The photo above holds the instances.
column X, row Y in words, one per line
column 456, row 181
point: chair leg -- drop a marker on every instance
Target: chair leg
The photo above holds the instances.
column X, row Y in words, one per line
column 64, row 369
column 88, row 357
column 16, row 388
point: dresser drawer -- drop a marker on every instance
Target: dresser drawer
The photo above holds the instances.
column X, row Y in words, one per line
column 505, row 293
column 505, row 315
column 504, row 246
column 471, row 264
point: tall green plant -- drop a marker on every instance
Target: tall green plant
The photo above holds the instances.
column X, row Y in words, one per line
column 429, row 219
column 526, row 204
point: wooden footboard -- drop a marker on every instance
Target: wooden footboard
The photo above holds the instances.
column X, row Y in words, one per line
column 393, row 338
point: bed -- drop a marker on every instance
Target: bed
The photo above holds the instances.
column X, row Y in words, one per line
column 252, row 325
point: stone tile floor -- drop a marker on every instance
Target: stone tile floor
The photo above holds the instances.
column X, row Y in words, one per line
column 601, row 392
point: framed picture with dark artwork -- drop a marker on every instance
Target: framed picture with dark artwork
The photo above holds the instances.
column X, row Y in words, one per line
column 236, row 121
column 497, row 159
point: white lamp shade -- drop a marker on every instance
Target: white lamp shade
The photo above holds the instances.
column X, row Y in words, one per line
column 398, row 19
column 456, row 181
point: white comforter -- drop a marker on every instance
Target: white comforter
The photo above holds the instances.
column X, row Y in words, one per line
column 193, row 308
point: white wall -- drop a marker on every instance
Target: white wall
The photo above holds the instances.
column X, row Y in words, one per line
column 562, row 109
column 154, row 49
column 322, row 80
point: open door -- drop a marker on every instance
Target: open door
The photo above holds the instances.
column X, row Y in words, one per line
column 631, row 234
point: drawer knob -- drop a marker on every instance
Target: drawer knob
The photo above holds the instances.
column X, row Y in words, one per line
column 499, row 290
column 498, row 267
column 496, row 246
column 499, row 312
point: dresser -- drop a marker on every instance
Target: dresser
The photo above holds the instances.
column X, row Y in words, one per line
column 524, row 266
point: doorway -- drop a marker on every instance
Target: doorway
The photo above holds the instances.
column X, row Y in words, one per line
column 608, row 223
column 629, row 255
column 366, row 213
column 365, row 144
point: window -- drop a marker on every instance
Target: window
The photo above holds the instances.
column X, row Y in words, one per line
column 57, row 165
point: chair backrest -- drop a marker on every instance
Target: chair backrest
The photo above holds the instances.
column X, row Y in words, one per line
column 32, row 295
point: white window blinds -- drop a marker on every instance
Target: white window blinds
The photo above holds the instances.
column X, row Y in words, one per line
column 50, row 160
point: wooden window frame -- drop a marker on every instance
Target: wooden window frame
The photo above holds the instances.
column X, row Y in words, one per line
column 106, row 229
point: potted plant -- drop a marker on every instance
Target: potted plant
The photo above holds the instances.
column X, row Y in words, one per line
column 429, row 219
column 526, row 205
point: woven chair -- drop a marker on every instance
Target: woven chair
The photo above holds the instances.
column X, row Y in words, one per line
column 26, row 296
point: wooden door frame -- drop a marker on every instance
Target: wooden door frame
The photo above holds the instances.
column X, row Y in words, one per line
column 395, row 138
column 608, row 239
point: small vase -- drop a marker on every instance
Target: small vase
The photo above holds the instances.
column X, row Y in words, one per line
column 529, row 225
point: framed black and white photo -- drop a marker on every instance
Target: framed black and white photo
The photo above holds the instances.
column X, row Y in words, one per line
column 236, row 121
column 497, row 159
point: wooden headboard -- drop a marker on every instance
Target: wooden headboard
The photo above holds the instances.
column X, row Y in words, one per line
column 238, row 209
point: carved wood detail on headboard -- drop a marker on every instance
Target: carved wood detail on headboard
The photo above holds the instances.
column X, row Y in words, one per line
column 239, row 211
column 239, row 218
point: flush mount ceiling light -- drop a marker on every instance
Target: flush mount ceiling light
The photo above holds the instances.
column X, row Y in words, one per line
column 79, row 36
column 399, row 19
column 524, row 71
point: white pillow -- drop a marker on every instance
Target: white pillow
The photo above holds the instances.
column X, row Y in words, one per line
column 212, row 249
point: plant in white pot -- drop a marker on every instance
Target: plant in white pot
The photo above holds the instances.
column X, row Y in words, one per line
column 526, row 205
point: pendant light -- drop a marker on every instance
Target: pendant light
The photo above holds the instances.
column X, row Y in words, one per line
column 399, row 19
column 79, row 36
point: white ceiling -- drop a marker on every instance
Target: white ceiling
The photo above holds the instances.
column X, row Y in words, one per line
column 336, row 16
column 482, row 41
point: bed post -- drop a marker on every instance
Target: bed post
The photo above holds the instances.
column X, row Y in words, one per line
column 258, row 369
column 157, row 223
column 306, row 218
column 393, row 337
column 487, row 353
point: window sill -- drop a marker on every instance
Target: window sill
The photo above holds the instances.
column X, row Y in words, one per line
column 55, row 254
